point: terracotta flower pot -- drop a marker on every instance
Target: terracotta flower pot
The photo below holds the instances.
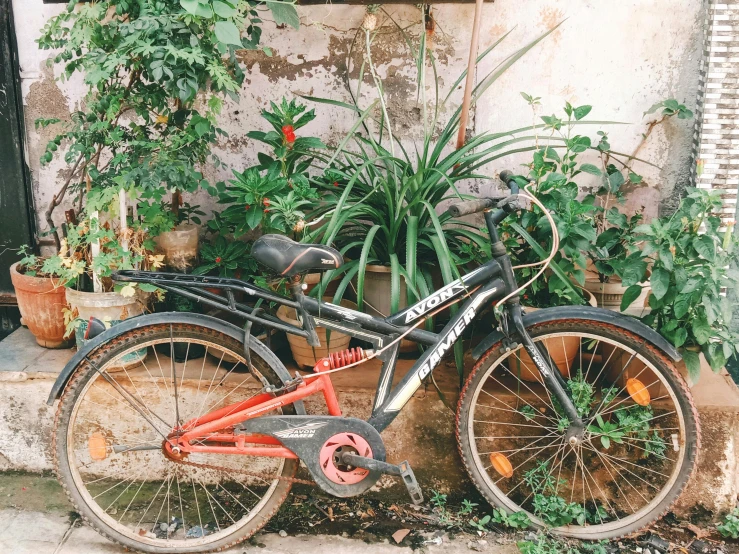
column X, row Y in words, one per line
column 41, row 302
column 616, row 374
column 313, row 280
column 306, row 355
column 563, row 352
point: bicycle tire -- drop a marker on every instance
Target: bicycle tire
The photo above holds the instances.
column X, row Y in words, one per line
column 262, row 359
column 665, row 367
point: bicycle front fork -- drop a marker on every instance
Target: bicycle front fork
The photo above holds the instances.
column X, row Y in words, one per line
column 551, row 375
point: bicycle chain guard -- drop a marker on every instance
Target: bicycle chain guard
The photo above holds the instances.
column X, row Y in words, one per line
column 319, row 441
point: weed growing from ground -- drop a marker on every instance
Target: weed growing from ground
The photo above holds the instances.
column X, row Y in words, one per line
column 729, row 528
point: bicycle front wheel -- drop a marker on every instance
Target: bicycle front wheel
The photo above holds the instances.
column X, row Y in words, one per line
column 112, row 426
column 626, row 467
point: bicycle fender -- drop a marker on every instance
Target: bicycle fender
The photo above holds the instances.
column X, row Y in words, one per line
column 586, row 313
column 142, row 321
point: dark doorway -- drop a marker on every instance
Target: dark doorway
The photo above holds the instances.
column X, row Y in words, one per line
column 16, row 223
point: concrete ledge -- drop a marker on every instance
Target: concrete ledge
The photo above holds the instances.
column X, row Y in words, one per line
column 423, row 433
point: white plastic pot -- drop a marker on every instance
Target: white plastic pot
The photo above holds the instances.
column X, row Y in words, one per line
column 179, row 246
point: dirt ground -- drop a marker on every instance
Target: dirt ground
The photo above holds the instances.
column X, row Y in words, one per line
column 371, row 520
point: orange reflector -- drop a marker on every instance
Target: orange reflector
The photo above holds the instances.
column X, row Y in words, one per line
column 96, row 447
column 501, row 464
column 638, row 392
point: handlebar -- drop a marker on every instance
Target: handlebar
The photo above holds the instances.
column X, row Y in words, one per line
column 510, row 180
column 468, row 207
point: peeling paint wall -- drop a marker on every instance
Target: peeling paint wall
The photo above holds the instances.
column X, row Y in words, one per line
column 621, row 57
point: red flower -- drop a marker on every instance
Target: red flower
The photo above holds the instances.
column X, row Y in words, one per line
column 266, row 202
column 218, row 259
column 246, row 207
column 266, row 210
column 336, row 183
column 290, row 137
column 287, row 129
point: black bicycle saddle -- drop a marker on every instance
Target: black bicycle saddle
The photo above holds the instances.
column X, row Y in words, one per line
column 287, row 257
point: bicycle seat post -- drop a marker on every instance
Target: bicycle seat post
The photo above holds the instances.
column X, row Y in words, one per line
column 297, row 287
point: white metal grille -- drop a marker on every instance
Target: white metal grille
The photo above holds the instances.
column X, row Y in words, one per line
column 717, row 130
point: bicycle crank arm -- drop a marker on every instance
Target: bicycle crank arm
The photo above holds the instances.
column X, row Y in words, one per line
column 118, row 448
column 402, row 470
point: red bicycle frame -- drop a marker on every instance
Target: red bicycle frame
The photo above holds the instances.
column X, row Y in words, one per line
column 194, row 435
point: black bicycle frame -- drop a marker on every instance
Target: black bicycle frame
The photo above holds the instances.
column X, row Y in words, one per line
column 491, row 281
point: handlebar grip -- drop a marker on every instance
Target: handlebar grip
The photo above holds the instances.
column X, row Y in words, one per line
column 470, row 207
column 507, row 177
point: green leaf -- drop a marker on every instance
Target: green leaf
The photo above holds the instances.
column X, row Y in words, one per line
column 285, row 13
column 631, row 294
column 615, row 180
column 715, row 356
column 660, row 282
column 665, row 256
column 228, row 33
column 679, row 337
column 681, row 305
column 702, row 330
column 582, row 111
column 592, row 169
column 196, row 8
column 223, row 10
column 202, row 127
column 693, row 364
column 363, row 265
column 254, row 216
column 705, row 246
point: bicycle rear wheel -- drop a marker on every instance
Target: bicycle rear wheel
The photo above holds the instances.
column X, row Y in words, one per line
column 109, row 451
column 632, row 461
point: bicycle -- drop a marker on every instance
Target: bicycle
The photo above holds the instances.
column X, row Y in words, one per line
column 200, row 456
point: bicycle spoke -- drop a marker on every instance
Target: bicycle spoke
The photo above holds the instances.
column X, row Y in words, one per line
column 566, row 461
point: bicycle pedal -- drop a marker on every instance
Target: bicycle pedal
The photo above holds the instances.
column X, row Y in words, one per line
column 409, row 480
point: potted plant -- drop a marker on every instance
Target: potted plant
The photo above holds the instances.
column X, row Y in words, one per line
column 691, row 261
column 175, row 231
column 553, row 176
column 140, row 125
column 618, row 279
column 274, row 194
column 383, row 200
column 89, row 254
column 41, row 300
column 619, row 270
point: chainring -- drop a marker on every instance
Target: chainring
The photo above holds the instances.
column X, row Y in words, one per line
column 310, row 437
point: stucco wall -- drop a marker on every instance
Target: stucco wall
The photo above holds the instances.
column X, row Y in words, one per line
column 621, row 57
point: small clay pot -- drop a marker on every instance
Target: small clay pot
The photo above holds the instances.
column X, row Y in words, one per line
column 41, row 301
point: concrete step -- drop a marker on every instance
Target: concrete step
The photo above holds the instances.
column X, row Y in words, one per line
column 423, row 433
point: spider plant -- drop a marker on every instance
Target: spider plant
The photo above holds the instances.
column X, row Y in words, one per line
column 381, row 201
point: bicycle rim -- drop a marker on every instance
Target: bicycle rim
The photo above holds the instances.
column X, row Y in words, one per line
column 142, row 495
column 633, row 454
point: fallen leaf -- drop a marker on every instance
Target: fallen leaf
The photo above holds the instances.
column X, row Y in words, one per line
column 400, row 534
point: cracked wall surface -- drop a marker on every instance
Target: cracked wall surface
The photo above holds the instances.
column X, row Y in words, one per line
column 620, row 57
